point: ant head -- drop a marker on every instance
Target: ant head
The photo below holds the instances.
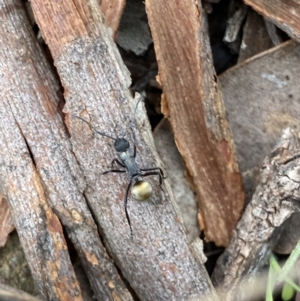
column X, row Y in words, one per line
column 121, row 145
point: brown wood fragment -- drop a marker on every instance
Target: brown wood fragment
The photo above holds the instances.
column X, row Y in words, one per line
column 255, row 36
column 31, row 127
column 6, row 221
column 284, row 14
column 276, row 198
column 196, row 112
column 157, row 261
column 38, row 228
column 112, row 11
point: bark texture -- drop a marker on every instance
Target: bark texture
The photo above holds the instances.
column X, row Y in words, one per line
column 112, row 11
column 39, row 229
column 158, row 262
column 195, row 108
column 6, row 221
column 284, row 14
column 38, row 169
column 184, row 196
column 275, row 200
column 255, row 37
column 8, row 293
column 273, row 105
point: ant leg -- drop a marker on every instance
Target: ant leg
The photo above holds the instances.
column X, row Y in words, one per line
column 159, row 170
column 154, row 173
column 134, row 151
column 118, row 162
column 113, row 170
column 125, row 205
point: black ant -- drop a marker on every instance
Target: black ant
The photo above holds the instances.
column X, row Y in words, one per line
column 141, row 190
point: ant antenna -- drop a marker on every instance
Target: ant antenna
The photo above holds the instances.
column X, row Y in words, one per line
column 106, row 135
column 100, row 133
column 136, row 106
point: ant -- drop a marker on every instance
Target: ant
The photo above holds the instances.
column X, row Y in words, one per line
column 141, row 189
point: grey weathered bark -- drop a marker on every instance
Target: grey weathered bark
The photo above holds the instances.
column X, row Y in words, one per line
column 184, row 196
column 276, row 198
column 158, row 261
column 258, row 116
column 14, row 269
column 8, row 293
column 255, row 37
column 38, row 168
column 6, row 221
column 39, row 229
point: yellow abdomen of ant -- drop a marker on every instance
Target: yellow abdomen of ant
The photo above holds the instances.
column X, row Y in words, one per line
column 141, row 191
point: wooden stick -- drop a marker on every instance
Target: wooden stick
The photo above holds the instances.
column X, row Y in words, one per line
column 39, row 168
column 275, row 200
column 282, row 13
column 157, row 262
column 195, row 108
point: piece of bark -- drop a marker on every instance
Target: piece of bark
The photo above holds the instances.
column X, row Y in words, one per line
column 39, row 229
column 31, row 126
column 87, row 292
column 172, row 160
column 237, row 12
column 14, row 269
column 194, row 106
column 255, row 36
column 258, row 115
column 275, row 86
column 276, row 198
column 289, row 235
column 157, row 260
column 284, row 14
column 273, row 32
column 8, row 293
column 133, row 33
column 6, row 221
column 112, row 11
column 234, row 23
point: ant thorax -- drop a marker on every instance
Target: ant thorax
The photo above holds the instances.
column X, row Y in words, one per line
column 128, row 159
